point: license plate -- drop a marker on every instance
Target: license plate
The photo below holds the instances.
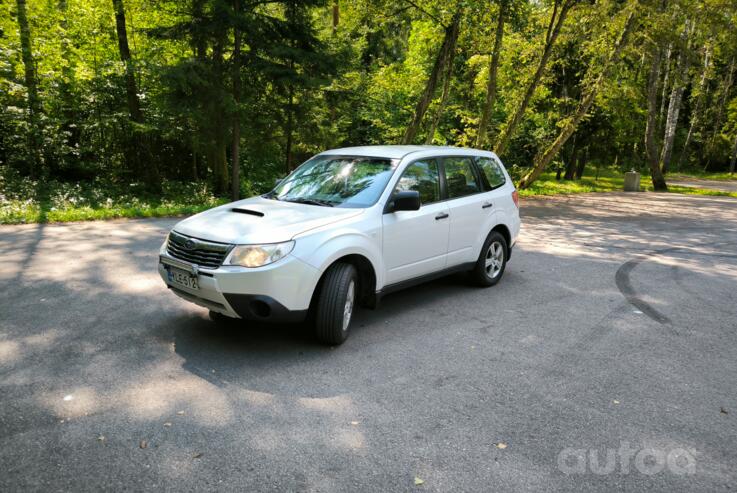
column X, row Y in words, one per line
column 182, row 278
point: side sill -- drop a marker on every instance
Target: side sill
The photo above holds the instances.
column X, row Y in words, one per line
column 398, row 286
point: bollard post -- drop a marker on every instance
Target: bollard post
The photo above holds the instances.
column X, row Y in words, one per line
column 632, row 181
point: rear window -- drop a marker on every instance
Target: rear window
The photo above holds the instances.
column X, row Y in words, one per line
column 492, row 172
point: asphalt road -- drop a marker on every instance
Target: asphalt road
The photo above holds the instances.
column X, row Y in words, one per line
column 718, row 185
column 615, row 327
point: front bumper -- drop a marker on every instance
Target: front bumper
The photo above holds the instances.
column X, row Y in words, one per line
column 279, row 292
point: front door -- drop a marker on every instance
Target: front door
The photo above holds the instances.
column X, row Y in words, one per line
column 416, row 242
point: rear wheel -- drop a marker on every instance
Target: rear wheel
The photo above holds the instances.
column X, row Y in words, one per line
column 492, row 261
column 335, row 304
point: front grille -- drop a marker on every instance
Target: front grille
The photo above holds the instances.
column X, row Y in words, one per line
column 203, row 253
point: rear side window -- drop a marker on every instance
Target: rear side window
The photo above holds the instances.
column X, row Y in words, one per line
column 460, row 177
column 421, row 176
column 493, row 172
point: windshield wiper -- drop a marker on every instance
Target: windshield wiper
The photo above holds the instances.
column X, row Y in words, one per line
column 324, row 203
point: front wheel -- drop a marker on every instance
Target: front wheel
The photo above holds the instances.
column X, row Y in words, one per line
column 492, row 261
column 218, row 317
column 335, row 304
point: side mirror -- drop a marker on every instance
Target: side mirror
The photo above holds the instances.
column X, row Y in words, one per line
column 408, row 200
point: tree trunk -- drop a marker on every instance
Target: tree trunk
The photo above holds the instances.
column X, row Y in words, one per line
column 726, row 86
column 666, row 79
column 193, row 170
column 733, row 161
column 481, row 137
column 542, row 160
column 68, row 124
column 35, row 139
column 217, row 159
column 652, row 114
column 443, row 99
column 674, row 104
column 697, row 106
column 289, row 129
column 219, row 122
column 556, row 22
column 131, row 89
column 138, row 154
column 336, row 16
column 198, row 40
column 235, row 146
column 581, row 165
column 571, row 164
column 449, row 44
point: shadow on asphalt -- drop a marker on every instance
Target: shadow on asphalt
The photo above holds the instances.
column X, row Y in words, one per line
column 216, row 350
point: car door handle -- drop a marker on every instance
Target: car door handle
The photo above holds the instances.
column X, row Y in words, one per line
column 442, row 215
column 486, row 205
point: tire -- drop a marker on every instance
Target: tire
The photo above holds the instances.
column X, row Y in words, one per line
column 335, row 304
column 219, row 318
column 492, row 260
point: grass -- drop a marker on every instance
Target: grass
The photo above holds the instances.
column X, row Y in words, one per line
column 26, row 201
column 609, row 180
column 21, row 213
column 726, row 176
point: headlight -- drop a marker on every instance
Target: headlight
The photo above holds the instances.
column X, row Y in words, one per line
column 258, row 255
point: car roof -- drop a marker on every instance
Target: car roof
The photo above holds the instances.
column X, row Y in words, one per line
column 389, row 151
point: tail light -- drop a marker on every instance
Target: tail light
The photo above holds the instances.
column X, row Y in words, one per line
column 515, row 197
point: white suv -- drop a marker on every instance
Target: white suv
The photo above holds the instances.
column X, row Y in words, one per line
column 345, row 228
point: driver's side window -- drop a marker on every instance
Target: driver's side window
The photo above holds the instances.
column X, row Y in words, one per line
column 421, row 176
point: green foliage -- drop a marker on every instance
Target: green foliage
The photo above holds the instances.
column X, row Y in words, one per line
column 28, row 201
column 307, row 84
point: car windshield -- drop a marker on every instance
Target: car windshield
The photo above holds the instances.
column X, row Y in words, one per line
column 336, row 181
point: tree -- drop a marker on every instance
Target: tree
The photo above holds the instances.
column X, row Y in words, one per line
column 696, row 113
column 235, row 179
column 232, row 93
column 676, row 95
column 542, row 161
column 481, row 137
column 652, row 109
column 131, row 91
column 443, row 59
column 34, row 102
column 557, row 18
column 138, row 145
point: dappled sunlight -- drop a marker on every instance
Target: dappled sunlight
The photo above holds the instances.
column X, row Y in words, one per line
column 74, row 402
column 351, row 439
column 331, row 405
column 10, row 352
column 109, row 348
column 156, row 395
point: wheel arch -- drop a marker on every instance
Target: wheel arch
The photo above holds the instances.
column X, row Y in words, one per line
column 504, row 231
column 367, row 278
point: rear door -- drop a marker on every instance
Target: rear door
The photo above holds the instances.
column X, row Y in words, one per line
column 494, row 179
column 416, row 242
column 468, row 207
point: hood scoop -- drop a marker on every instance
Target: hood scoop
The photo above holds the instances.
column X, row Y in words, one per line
column 247, row 211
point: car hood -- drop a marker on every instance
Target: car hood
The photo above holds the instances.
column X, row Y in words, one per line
column 259, row 220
